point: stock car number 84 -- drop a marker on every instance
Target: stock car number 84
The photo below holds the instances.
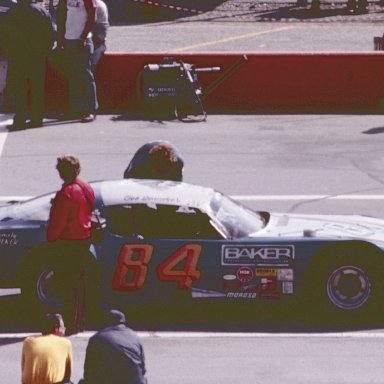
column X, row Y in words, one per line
column 162, row 238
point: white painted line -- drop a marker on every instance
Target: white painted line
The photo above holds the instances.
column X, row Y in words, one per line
column 3, row 133
column 228, row 39
column 10, row 291
column 306, row 197
column 258, row 197
column 200, row 335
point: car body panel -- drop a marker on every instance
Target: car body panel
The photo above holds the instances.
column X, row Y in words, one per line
column 162, row 239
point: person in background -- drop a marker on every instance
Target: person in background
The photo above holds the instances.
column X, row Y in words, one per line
column 75, row 21
column 99, row 33
column 114, row 354
column 27, row 36
column 47, row 358
column 69, row 232
column 156, row 160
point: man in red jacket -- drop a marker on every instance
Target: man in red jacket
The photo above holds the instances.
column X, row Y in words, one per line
column 69, row 228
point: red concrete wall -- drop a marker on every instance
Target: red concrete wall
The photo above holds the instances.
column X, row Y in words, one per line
column 264, row 83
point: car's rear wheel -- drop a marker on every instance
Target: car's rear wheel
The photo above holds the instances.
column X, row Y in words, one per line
column 345, row 285
column 43, row 285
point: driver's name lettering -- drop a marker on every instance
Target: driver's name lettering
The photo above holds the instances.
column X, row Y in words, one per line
column 8, row 239
column 257, row 254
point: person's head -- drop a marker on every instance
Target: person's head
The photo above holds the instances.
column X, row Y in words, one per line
column 68, row 167
column 163, row 160
column 114, row 317
column 53, row 323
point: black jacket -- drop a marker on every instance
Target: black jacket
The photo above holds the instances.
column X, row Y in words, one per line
column 27, row 31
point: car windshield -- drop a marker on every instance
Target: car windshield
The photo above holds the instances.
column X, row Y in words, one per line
column 34, row 209
column 235, row 220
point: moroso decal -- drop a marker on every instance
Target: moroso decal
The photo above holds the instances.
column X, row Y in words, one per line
column 259, row 255
column 242, row 295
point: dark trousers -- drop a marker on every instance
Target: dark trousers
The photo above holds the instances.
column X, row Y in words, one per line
column 82, row 85
column 26, row 81
column 73, row 257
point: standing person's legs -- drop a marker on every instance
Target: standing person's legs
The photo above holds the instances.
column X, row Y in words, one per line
column 96, row 56
column 37, row 83
column 90, row 98
column 18, row 86
column 72, row 273
column 82, row 86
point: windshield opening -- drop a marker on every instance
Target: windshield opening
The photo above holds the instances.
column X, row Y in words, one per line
column 235, row 220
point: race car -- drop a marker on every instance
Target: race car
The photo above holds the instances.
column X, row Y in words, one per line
column 164, row 242
column 6, row 5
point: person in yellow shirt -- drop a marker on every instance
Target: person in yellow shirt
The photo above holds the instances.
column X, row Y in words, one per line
column 48, row 358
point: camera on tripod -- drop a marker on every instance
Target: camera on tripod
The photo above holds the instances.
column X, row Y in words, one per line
column 171, row 90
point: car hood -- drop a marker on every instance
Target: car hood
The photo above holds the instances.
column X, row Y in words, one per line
column 324, row 226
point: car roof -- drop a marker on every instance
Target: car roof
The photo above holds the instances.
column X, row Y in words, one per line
column 137, row 191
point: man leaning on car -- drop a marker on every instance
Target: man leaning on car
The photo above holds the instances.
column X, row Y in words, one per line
column 69, row 230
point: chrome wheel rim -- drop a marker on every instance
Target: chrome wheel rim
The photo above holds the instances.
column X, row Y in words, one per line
column 348, row 287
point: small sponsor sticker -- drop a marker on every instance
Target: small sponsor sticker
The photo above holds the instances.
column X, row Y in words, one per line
column 287, row 287
column 268, row 284
column 285, row 274
column 229, row 277
column 232, row 284
column 244, row 274
column 266, row 272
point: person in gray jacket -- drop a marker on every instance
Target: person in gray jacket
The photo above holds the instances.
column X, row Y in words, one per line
column 114, row 354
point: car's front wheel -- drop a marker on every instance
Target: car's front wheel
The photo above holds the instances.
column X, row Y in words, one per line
column 345, row 285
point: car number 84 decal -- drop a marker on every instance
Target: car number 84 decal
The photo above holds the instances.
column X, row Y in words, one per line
column 134, row 261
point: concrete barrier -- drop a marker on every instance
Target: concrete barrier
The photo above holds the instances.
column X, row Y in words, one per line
column 323, row 82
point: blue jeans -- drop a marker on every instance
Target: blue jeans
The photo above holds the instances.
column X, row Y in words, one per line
column 81, row 82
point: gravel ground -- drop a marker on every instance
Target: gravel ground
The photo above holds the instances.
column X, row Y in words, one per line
column 285, row 11
column 139, row 11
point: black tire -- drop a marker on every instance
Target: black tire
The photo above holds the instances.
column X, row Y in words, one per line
column 42, row 283
column 40, row 286
column 344, row 285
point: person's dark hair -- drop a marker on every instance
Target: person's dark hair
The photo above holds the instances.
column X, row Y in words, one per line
column 114, row 317
column 68, row 166
column 50, row 321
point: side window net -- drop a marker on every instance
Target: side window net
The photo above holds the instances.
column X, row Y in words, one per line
column 160, row 221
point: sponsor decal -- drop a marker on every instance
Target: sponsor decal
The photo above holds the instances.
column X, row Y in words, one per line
column 259, row 255
column 229, row 277
column 262, row 272
column 285, row 274
column 242, row 295
column 251, row 288
column 287, row 287
column 8, row 239
column 232, row 284
column 268, row 284
column 244, row 274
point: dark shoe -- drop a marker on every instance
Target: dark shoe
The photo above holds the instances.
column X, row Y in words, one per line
column 88, row 118
column 35, row 124
column 16, row 127
column 71, row 116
